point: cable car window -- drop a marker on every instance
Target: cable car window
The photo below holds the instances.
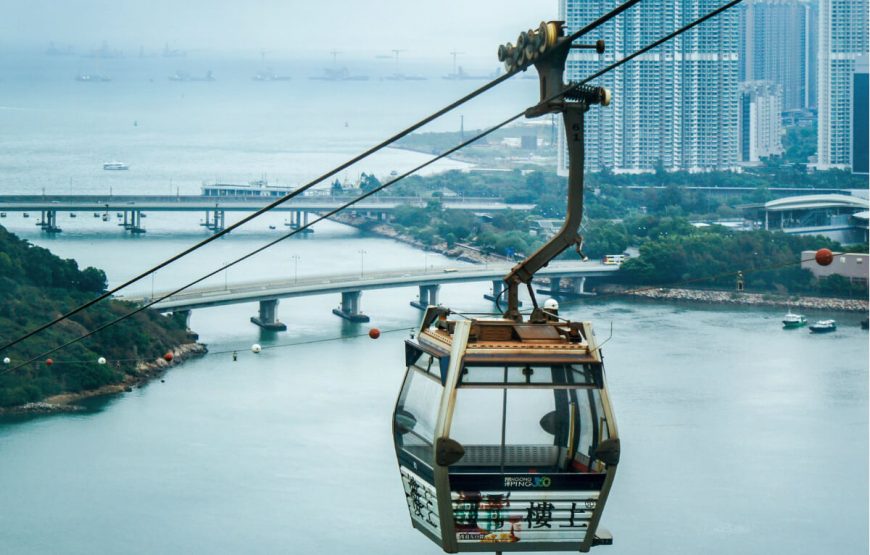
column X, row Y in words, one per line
column 416, row 413
column 477, row 419
column 526, row 430
column 578, row 375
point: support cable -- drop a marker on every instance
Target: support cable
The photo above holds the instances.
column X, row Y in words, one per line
column 353, row 201
column 269, row 244
column 383, row 144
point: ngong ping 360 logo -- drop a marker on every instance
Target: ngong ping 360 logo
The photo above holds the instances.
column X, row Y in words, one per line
column 527, row 481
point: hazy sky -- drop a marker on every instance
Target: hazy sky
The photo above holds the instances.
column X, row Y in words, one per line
column 423, row 29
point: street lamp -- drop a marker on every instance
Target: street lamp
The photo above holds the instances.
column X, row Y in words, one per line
column 153, row 275
column 362, row 255
column 295, row 259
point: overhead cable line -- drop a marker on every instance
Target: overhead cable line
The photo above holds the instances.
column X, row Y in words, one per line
column 601, row 20
column 269, row 244
column 373, row 191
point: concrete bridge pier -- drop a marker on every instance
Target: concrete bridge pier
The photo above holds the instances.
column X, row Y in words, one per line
column 294, row 220
column 578, row 285
column 498, row 286
column 428, row 297
column 268, row 317
column 555, row 290
column 135, row 222
column 214, row 220
column 349, row 309
column 48, row 221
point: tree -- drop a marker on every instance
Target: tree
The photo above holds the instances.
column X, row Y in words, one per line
column 368, row 183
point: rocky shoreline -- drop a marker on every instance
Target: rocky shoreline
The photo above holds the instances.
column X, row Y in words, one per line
column 144, row 372
column 463, row 253
column 733, row 297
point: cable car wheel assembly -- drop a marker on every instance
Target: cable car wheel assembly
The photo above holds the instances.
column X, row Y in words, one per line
column 503, row 429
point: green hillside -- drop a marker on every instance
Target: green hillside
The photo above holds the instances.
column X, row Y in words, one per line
column 37, row 286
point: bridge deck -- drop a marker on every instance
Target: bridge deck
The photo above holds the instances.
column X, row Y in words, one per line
column 191, row 203
column 246, row 292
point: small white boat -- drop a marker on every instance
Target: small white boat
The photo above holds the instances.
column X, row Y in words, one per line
column 824, row 326
column 115, row 166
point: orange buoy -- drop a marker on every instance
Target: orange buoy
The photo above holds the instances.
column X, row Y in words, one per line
column 824, row 257
column 49, row 362
column 374, row 333
column 168, row 356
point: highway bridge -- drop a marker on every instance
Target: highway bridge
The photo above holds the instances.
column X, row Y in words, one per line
column 351, row 286
column 129, row 208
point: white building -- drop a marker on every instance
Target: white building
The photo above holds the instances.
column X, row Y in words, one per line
column 760, row 130
column 674, row 107
column 842, row 39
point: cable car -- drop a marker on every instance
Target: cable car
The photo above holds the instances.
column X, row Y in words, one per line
column 503, row 427
column 505, row 435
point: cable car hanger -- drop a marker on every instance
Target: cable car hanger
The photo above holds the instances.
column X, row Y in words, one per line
column 504, row 432
column 503, row 429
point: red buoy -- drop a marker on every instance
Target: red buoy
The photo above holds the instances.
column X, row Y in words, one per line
column 49, row 362
column 168, row 356
column 824, row 257
column 374, row 333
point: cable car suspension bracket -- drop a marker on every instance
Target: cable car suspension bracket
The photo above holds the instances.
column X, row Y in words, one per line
column 548, row 49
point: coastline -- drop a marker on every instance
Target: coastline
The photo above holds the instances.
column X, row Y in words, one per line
column 733, row 297
column 461, row 252
column 144, row 372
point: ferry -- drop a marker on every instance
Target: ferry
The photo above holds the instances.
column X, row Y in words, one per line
column 115, row 166
column 792, row 320
column 824, row 326
column 254, row 189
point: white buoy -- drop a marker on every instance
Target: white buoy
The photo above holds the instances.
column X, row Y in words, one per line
column 101, row 360
column 256, row 348
column 7, row 360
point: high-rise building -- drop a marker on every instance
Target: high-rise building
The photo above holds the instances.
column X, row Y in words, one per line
column 776, row 44
column 842, row 39
column 860, row 101
column 674, row 107
column 760, row 130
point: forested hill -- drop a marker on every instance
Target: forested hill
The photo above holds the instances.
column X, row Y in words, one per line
column 37, row 286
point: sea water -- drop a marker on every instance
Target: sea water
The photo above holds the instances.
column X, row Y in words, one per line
column 738, row 436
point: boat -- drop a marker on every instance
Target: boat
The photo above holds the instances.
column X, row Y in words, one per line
column 115, row 166
column 269, row 75
column 92, row 78
column 2, row 214
column 865, row 324
column 73, row 215
column 26, row 215
column 792, row 320
column 824, row 326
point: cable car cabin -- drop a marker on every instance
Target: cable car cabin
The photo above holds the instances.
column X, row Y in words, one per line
column 505, row 435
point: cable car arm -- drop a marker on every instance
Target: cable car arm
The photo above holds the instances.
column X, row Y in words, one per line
column 572, row 101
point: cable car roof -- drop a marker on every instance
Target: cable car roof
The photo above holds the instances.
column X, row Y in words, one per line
column 503, row 341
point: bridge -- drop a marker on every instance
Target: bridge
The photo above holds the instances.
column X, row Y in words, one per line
column 351, row 286
column 131, row 208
